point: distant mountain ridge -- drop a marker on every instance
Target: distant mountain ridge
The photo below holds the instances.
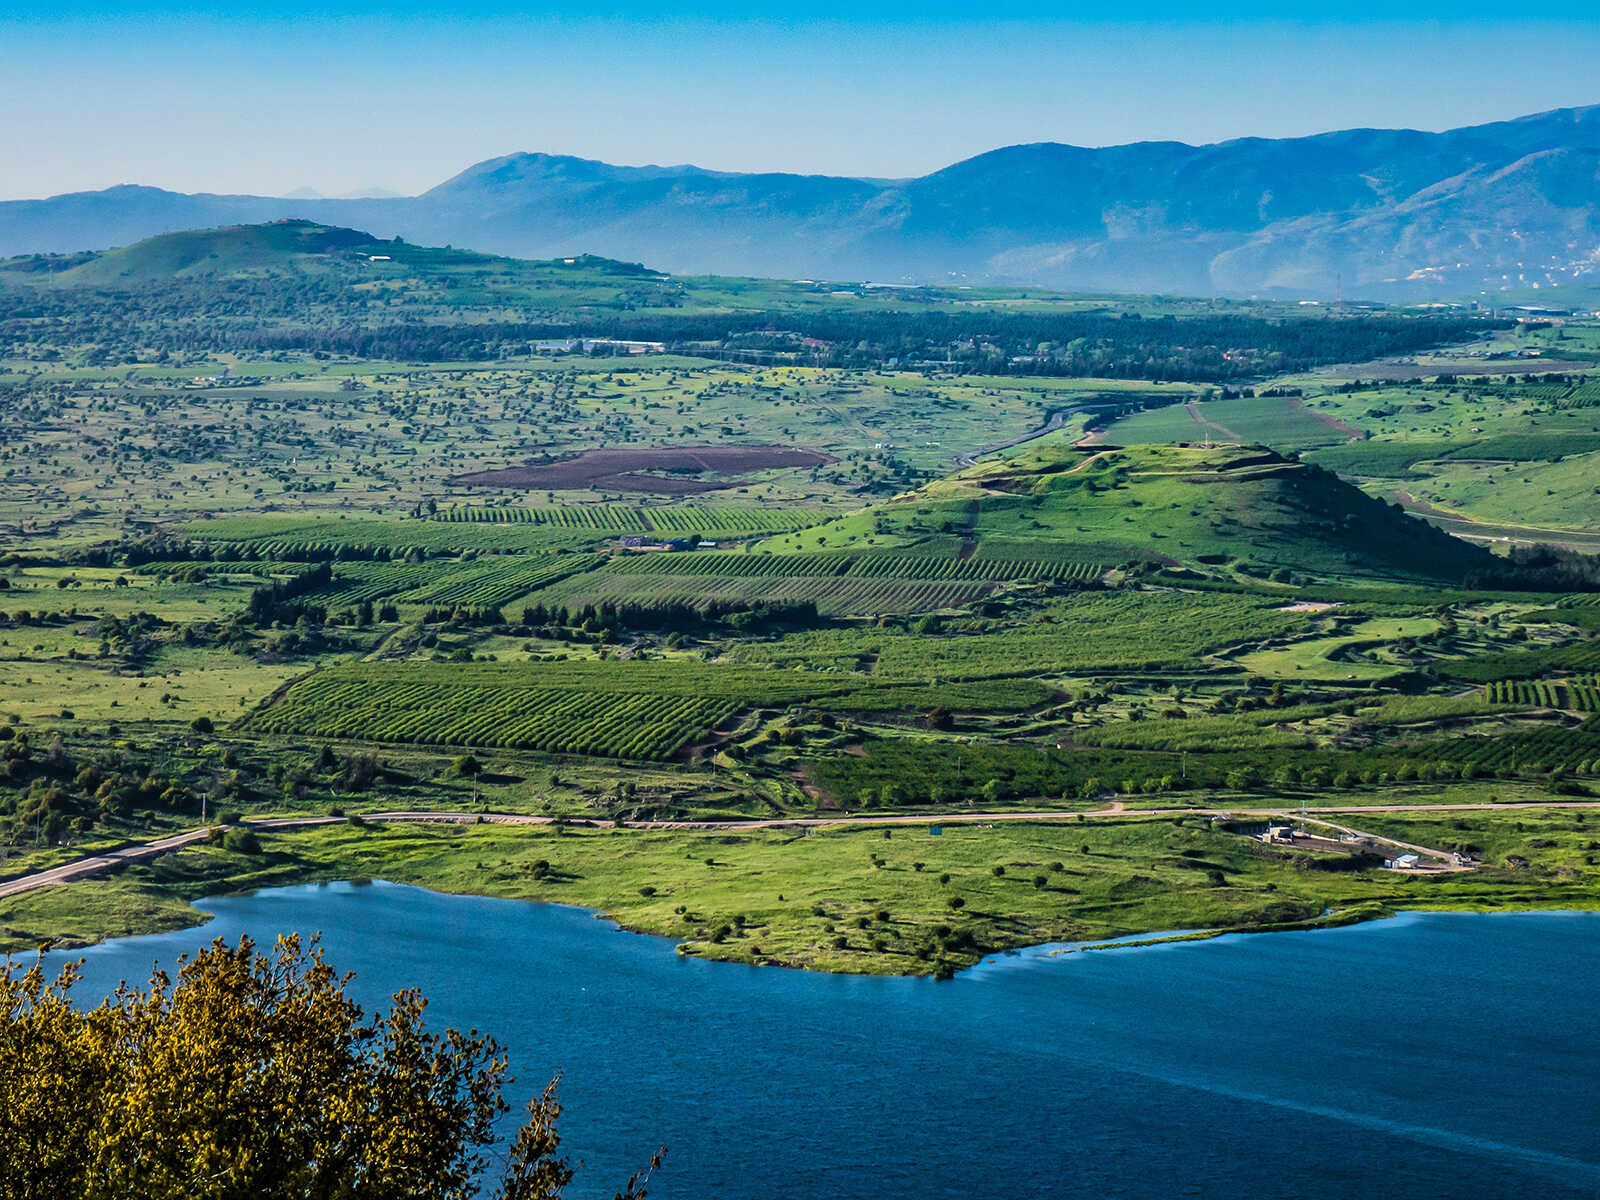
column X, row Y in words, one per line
column 1395, row 214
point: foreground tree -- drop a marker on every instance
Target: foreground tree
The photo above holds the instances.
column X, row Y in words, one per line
column 254, row 1076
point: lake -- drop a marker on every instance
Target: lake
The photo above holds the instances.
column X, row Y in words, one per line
column 1430, row 1055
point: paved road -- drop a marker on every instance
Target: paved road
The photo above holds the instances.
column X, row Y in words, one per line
column 98, row 864
column 1056, row 421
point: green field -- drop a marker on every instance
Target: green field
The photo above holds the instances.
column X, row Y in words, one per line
column 1513, row 452
column 1339, row 656
column 869, row 899
column 1071, row 555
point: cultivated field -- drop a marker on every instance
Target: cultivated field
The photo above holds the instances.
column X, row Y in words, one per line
column 1097, row 588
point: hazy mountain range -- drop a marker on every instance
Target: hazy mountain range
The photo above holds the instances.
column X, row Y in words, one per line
column 1379, row 213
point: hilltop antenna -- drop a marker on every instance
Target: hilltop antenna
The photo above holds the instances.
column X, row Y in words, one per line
column 1338, row 292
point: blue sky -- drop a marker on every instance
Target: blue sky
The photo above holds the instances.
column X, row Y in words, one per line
column 400, row 95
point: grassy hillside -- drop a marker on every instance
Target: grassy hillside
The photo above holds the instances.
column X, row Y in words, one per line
column 1244, row 506
column 293, row 247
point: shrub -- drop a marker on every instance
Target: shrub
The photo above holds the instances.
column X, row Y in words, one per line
column 133, row 1098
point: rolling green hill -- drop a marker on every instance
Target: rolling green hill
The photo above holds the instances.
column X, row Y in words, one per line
column 282, row 247
column 300, row 285
column 295, row 248
column 1241, row 506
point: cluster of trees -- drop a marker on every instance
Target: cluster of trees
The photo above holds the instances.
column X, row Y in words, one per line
column 164, row 548
column 610, row 619
column 47, row 791
column 465, row 616
column 904, row 771
column 1541, row 569
column 324, row 317
column 280, row 600
column 1210, row 349
column 254, row 1074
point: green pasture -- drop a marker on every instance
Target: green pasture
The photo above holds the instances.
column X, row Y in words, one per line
column 1355, row 653
column 867, row 899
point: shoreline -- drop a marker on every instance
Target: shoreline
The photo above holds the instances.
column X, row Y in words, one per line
column 1347, row 919
column 1362, row 914
column 841, row 897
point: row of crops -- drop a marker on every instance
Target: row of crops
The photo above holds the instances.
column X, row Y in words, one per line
column 1585, row 395
column 1533, row 752
column 486, row 583
column 833, row 595
column 1090, row 633
column 559, row 721
column 674, row 677
column 840, row 583
column 303, row 540
column 871, row 564
column 1526, row 664
column 728, row 520
column 1579, row 694
column 358, row 582
column 1553, row 393
column 907, row 566
column 573, row 516
column 491, row 584
column 615, row 709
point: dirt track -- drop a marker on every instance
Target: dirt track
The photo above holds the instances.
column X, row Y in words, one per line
column 1204, row 423
column 1472, row 529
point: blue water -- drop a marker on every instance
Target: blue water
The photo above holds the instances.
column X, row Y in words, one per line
column 1432, row 1055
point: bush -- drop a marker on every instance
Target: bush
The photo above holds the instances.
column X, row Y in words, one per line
column 242, row 841
column 133, row 1098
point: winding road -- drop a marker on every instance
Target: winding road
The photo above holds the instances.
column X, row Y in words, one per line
column 1056, row 421
column 98, row 864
